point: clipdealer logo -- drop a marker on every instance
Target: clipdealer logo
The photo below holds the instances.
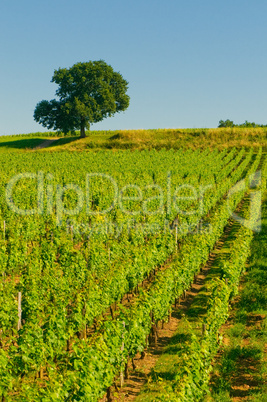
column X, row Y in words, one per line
column 131, row 199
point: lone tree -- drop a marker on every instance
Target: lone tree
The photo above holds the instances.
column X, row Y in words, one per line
column 88, row 93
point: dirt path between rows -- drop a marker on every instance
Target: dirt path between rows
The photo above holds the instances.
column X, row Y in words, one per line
column 143, row 364
column 139, row 375
column 46, row 143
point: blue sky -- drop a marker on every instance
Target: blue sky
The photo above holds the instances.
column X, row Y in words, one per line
column 189, row 63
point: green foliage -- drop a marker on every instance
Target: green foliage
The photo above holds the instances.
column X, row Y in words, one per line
column 247, row 124
column 226, row 123
column 253, row 298
column 87, row 93
column 194, row 367
column 246, row 345
column 69, row 278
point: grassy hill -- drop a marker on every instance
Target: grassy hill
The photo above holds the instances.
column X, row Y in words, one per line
column 140, row 139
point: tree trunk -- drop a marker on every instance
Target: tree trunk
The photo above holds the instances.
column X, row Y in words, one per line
column 82, row 131
column 83, row 128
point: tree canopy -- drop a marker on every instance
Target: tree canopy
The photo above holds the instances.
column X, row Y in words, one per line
column 230, row 123
column 226, row 123
column 87, row 93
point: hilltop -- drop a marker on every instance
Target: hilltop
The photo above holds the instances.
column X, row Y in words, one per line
column 141, row 139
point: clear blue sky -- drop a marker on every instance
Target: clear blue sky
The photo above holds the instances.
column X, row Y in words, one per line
column 189, row 63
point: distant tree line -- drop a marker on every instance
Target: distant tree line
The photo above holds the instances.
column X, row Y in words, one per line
column 230, row 123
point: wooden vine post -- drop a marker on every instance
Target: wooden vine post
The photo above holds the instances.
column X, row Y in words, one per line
column 109, row 398
column 41, row 373
column 122, row 349
column 83, row 333
column 175, row 225
column 155, row 332
column 170, row 315
column 71, row 232
column 150, row 339
column 19, row 311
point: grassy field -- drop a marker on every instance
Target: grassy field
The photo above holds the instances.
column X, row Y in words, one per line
column 143, row 139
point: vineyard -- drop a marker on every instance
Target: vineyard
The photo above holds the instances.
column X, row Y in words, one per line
column 96, row 249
